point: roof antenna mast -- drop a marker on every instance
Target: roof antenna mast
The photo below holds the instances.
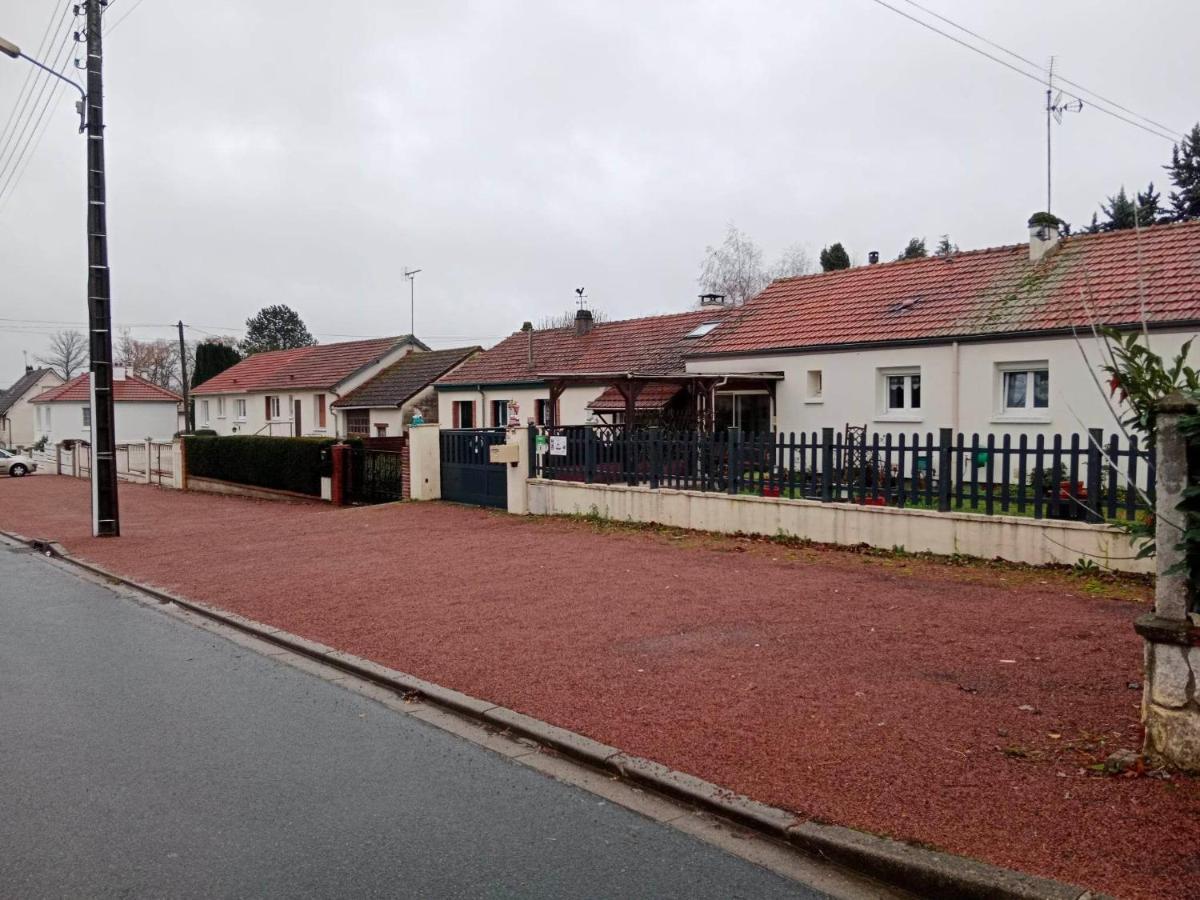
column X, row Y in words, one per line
column 1055, row 107
column 411, row 275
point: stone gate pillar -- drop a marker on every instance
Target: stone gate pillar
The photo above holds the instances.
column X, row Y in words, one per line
column 1171, row 693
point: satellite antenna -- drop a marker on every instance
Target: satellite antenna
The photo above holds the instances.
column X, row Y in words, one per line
column 411, row 275
column 1055, row 107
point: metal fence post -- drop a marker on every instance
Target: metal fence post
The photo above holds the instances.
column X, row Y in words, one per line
column 734, row 463
column 533, row 457
column 589, row 453
column 826, row 465
column 655, row 456
column 1095, row 502
column 945, row 449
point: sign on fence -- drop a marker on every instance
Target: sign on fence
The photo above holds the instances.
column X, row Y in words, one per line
column 558, row 445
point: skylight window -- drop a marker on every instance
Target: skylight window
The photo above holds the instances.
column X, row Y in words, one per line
column 701, row 330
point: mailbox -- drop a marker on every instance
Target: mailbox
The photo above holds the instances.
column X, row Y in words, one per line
column 504, row 453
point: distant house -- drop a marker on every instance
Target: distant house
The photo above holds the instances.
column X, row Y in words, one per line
column 981, row 341
column 613, row 372
column 18, row 426
column 292, row 392
column 141, row 410
column 384, row 405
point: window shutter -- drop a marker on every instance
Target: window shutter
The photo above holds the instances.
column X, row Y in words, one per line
column 267, row 411
column 457, row 407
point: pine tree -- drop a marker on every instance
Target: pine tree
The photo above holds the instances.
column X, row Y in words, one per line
column 915, row 249
column 1122, row 212
column 834, row 257
column 1149, row 207
column 1185, row 175
column 276, row 327
column 946, row 247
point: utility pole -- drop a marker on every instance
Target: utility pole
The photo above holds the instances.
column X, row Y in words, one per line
column 189, row 418
column 411, row 275
column 105, row 515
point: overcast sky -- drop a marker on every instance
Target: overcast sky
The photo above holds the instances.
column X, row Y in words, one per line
column 304, row 153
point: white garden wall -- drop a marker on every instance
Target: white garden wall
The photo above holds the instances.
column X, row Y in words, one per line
column 1016, row 539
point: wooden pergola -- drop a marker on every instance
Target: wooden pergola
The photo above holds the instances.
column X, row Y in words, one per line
column 701, row 387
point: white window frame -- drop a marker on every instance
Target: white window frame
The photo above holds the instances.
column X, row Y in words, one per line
column 274, row 407
column 817, row 395
column 220, row 407
column 239, row 409
column 907, row 412
column 204, row 412
column 1028, row 413
column 87, row 417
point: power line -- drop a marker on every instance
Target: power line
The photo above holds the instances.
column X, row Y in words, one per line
column 1019, row 71
column 25, row 95
column 1040, row 67
column 34, row 135
column 128, row 12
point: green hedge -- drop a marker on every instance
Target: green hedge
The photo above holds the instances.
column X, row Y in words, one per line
column 286, row 464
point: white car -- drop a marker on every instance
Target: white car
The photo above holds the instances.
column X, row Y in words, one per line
column 16, row 464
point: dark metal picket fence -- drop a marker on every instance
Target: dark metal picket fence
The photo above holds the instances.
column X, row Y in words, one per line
column 1085, row 477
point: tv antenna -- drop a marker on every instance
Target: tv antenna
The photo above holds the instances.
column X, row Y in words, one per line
column 1055, row 107
column 411, row 275
column 582, row 298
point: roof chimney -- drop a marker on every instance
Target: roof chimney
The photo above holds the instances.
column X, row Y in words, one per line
column 527, row 327
column 873, row 257
column 118, row 373
column 583, row 322
column 28, row 368
column 712, row 299
column 1043, row 234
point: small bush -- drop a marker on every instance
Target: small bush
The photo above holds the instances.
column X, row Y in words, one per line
column 285, row 464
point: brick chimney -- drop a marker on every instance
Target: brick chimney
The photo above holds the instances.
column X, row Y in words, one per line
column 583, row 322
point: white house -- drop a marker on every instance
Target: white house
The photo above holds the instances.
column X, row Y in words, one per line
column 141, row 410
column 18, row 425
column 291, row 393
column 986, row 341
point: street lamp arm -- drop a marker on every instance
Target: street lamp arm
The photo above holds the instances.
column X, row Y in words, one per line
column 10, row 49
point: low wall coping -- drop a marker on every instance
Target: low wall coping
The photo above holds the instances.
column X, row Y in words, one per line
column 1167, row 631
column 1021, row 521
column 248, row 490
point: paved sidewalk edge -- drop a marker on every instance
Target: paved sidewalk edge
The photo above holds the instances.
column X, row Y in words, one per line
column 925, row 872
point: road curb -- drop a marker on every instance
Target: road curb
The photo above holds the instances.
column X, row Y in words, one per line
column 928, row 873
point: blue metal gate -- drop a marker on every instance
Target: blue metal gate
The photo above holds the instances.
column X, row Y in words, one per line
column 467, row 475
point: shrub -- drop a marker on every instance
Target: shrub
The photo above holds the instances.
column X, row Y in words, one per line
column 286, row 464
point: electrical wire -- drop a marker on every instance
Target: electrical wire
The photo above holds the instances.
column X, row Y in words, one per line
column 129, row 12
column 33, row 71
column 1019, row 71
column 1040, row 67
column 34, row 135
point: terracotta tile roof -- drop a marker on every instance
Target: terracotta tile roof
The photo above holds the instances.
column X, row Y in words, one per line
column 652, row 396
column 982, row 292
column 322, row 367
column 20, row 386
column 128, row 389
column 405, row 378
column 653, row 345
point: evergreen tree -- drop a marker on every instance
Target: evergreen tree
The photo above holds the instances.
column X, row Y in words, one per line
column 914, row 250
column 213, row 358
column 1094, row 228
column 946, row 247
column 1149, row 207
column 276, row 327
column 1185, row 175
column 1123, row 212
column 834, row 257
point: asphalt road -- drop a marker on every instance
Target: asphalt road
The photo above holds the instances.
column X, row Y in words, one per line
column 142, row 756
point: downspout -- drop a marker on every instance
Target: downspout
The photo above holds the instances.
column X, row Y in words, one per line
column 712, row 401
column 954, row 393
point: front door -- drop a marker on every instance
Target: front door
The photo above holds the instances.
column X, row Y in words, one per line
column 299, row 430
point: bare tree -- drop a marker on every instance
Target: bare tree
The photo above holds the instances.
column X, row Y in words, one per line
column 68, row 353
column 795, row 260
column 734, row 269
column 157, row 361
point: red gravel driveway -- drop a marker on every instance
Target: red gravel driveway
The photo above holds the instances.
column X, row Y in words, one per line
column 958, row 707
